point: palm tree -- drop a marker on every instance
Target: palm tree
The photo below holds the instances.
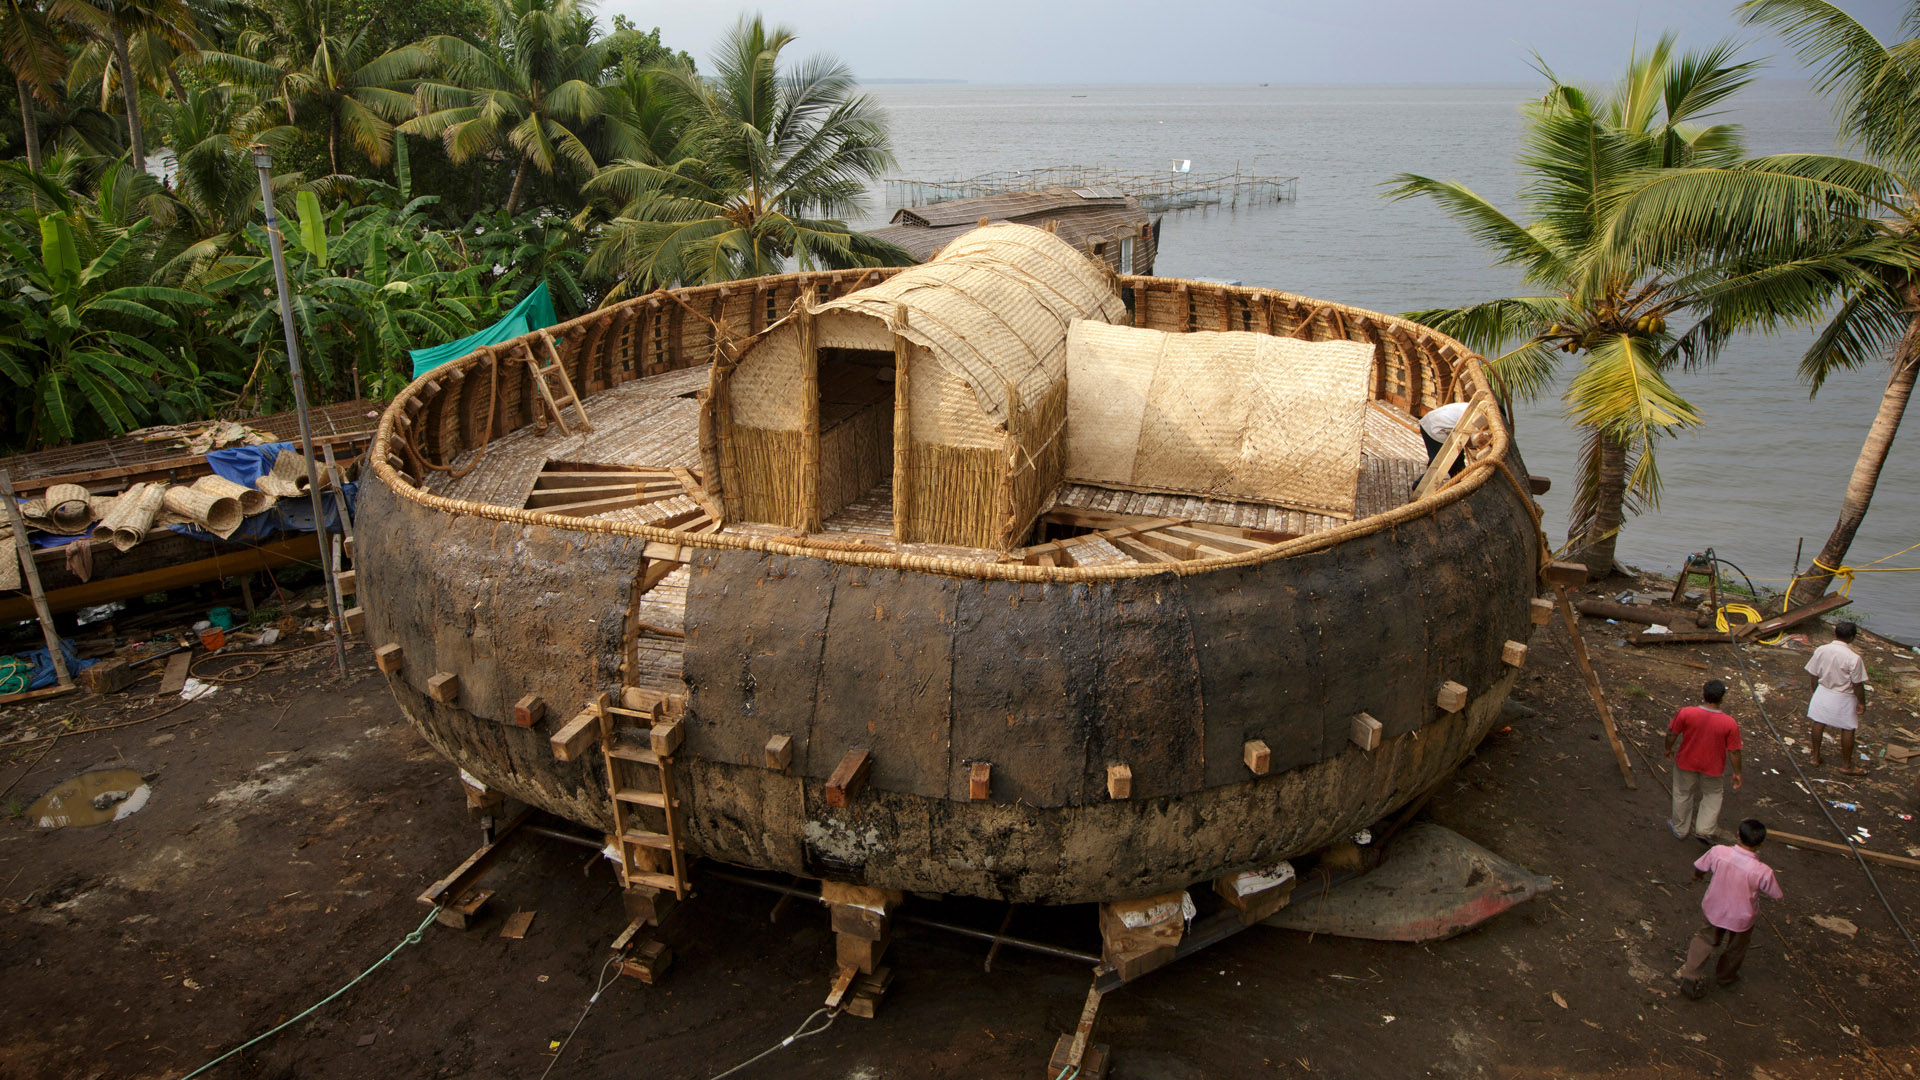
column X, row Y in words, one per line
column 770, row 164
column 536, row 94
column 314, row 66
column 1612, row 311
column 113, row 22
column 1816, row 237
column 31, row 50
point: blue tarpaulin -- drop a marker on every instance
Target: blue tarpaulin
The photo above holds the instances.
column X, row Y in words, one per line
column 41, row 662
column 534, row 313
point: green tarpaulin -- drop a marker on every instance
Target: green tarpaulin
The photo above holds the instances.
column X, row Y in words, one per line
column 534, row 313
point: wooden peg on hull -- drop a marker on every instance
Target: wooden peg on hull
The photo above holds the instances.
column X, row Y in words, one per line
column 1119, row 782
column 850, row 778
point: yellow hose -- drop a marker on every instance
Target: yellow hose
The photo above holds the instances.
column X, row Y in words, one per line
column 1752, row 615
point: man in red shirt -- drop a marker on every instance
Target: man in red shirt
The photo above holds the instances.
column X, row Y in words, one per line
column 1709, row 746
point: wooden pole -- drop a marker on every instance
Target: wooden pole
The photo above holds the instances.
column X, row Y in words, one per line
column 809, row 415
column 1593, row 684
column 1841, row 849
column 902, row 430
column 25, row 554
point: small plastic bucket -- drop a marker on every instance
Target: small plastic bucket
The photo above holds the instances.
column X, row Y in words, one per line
column 213, row 638
column 222, row 617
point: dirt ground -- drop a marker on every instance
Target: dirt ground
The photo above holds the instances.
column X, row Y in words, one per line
column 294, row 818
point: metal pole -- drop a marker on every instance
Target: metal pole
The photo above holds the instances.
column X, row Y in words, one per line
column 263, row 161
column 32, row 569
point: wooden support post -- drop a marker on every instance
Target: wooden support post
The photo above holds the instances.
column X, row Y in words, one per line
column 1513, row 654
column 1540, row 611
column 1119, row 782
column 443, row 686
column 1259, row 759
column 809, row 415
column 902, row 430
column 529, row 710
column 1593, row 681
column 1365, row 732
column 24, row 552
column 1452, row 697
column 573, row 740
column 779, row 752
column 980, row 781
column 850, row 778
column 862, row 921
column 390, row 658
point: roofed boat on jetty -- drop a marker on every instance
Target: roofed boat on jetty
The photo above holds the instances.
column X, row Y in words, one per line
column 1001, row 576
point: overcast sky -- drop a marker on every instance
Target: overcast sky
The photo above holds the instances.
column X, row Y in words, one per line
column 1216, row 41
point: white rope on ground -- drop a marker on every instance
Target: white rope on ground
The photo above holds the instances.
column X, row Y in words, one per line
column 604, row 982
column 411, row 939
column 799, row 1033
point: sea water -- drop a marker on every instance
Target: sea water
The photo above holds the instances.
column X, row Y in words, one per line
column 1767, row 470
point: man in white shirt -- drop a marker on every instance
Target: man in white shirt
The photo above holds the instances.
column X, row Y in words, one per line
column 1437, row 425
column 1837, row 675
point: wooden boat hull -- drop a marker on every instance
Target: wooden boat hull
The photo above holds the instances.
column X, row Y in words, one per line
column 1170, row 675
column 1049, row 674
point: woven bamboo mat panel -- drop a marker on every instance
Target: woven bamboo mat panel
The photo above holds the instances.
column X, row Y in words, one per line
column 1097, row 551
column 660, row 656
column 1386, row 483
column 1241, row 414
column 869, row 515
column 653, row 512
column 1218, row 511
column 1392, row 432
column 641, row 422
column 995, row 305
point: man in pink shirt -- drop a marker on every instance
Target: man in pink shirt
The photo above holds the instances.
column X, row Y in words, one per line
column 1709, row 742
column 1738, row 876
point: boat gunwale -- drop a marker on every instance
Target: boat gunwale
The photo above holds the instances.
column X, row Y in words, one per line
column 1465, row 365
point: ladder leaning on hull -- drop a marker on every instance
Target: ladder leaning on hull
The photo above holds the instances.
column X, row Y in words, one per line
column 555, row 402
column 637, row 748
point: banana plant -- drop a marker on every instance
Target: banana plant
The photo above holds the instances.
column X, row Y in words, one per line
column 80, row 348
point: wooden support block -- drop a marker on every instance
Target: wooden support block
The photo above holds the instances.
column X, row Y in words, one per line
column 1258, row 758
column 648, row 963
column 1567, row 574
column 529, row 710
column 443, row 686
column 842, row 985
column 1093, row 1061
column 860, row 954
column 346, row 547
column 1256, row 894
column 867, row 991
column 779, row 752
column 1514, row 654
column 1539, row 485
column 348, row 580
column 1138, row 936
column 1452, row 697
column 176, row 673
column 460, row 914
column 665, row 738
column 573, row 740
column 980, row 780
column 390, row 658
column 107, row 676
column 849, row 778
column 865, row 923
column 1119, row 782
column 355, row 619
column 1366, row 732
column 648, row 905
column 1540, row 611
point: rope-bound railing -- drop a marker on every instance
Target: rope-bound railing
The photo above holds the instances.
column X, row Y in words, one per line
column 1414, row 367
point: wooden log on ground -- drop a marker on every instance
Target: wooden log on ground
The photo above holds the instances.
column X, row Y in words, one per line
column 1841, row 849
column 1607, row 609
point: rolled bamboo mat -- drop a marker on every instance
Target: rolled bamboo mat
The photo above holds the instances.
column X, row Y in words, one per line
column 132, row 514
column 288, row 477
column 9, row 560
column 252, row 500
column 218, row 514
column 68, row 509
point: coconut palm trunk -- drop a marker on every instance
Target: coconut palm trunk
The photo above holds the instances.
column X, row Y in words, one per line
column 519, row 184
column 32, row 130
column 1813, row 584
column 130, row 96
column 333, row 139
column 1597, row 543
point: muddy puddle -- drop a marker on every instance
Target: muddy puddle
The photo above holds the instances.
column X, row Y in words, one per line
column 92, row 798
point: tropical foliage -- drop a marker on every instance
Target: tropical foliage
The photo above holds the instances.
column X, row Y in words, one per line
column 433, row 162
column 1626, row 318
column 1822, row 238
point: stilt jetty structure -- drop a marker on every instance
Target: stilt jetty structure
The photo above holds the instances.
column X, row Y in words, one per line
column 1156, row 192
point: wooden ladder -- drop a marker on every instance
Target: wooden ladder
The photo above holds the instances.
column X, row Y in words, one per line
column 638, row 748
column 555, row 402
